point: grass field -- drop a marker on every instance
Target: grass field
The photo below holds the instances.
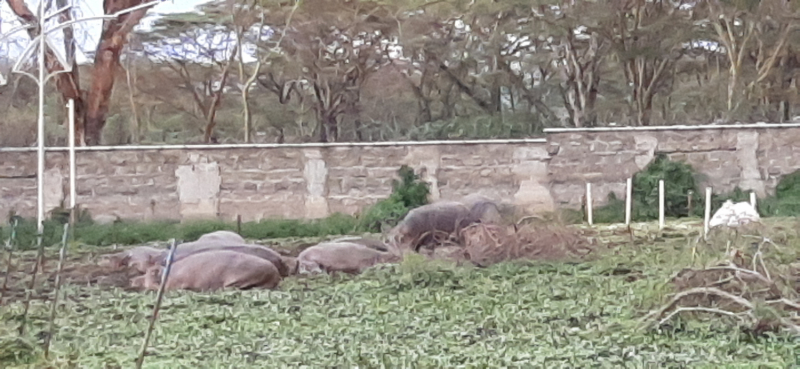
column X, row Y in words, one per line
column 412, row 315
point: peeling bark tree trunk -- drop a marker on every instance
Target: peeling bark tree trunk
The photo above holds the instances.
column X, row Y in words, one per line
column 106, row 62
column 67, row 84
column 91, row 107
column 211, row 115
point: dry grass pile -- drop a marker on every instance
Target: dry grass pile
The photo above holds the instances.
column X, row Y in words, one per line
column 487, row 244
column 754, row 286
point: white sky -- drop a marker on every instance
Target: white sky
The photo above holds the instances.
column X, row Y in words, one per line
column 86, row 33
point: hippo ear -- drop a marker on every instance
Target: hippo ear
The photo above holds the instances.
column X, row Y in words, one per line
column 119, row 260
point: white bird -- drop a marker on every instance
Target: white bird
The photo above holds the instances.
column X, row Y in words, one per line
column 734, row 215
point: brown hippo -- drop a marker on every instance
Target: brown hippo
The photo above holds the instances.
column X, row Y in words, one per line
column 140, row 258
column 369, row 242
column 425, row 224
column 263, row 252
column 344, row 257
column 213, row 270
column 221, row 237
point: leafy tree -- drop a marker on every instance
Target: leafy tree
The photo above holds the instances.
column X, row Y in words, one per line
column 91, row 106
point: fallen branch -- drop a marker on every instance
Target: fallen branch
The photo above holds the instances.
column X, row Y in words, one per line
column 696, row 309
column 699, row 290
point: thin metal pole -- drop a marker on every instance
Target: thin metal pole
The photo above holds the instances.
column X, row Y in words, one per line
column 61, row 256
column 661, row 204
column 589, row 215
column 72, row 164
column 40, row 167
column 628, row 199
column 157, row 307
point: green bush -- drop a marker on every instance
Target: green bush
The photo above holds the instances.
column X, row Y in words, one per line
column 786, row 201
column 612, row 212
column 407, row 193
column 679, row 179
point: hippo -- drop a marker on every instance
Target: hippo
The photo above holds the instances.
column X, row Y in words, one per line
column 346, row 257
column 213, row 270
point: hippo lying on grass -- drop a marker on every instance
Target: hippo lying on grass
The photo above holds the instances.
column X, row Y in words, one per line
column 192, row 248
column 140, row 258
column 220, row 237
column 143, row 257
column 213, row 270
column 347, row 257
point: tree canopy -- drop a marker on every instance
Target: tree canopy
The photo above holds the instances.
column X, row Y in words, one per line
column 366, row 70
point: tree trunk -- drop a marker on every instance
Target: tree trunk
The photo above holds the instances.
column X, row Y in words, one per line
column 66, row 83
column 135, row 112
column 91, row 108
column 106, row 61
column 211, row 115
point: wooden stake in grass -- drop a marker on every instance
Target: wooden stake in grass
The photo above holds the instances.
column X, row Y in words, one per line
column 29, row 292
column 61, row 255
column 239, row 224
column 707, row 215
column 689, row 199
column 753, row 200
column 589, row 204
column 10, row 246
column 164, row 276
column 628, row 201
column 660, row 204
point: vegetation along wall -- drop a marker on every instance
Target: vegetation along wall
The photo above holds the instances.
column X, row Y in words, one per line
column 315, row 180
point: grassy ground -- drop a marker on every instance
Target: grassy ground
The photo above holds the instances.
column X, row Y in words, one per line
column 416, row 314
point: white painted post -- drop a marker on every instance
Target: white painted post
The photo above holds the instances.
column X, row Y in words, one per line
column 661, row 204
column 40, row 127
column 708, row 212
column 72, row 170
column 589, row 203
column 628, row 200
column 753, row 199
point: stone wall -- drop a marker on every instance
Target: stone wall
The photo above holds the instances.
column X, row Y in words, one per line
column 312, row 181
column 264, row 181
column 752, row 157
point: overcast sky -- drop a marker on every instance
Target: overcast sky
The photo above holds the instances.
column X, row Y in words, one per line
column 87, row 33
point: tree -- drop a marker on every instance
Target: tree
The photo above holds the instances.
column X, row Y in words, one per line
column 91, row 105
column 325, row 49
column 647, row 39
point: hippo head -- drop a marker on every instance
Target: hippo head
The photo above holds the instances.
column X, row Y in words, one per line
column 139, row 282
column 116, row 261
column 291, row 264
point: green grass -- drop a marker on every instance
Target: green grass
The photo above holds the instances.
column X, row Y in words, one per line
column 133, row 233
column 416, row 314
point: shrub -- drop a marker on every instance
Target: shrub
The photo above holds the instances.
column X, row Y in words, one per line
column 407, row 193
column 786, row 201
column 679, row 179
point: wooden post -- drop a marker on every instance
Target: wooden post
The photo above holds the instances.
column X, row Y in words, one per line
column 689, row 202
column 707, row 212
column 589, row 215
column 661, row 204
column 628, row 201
